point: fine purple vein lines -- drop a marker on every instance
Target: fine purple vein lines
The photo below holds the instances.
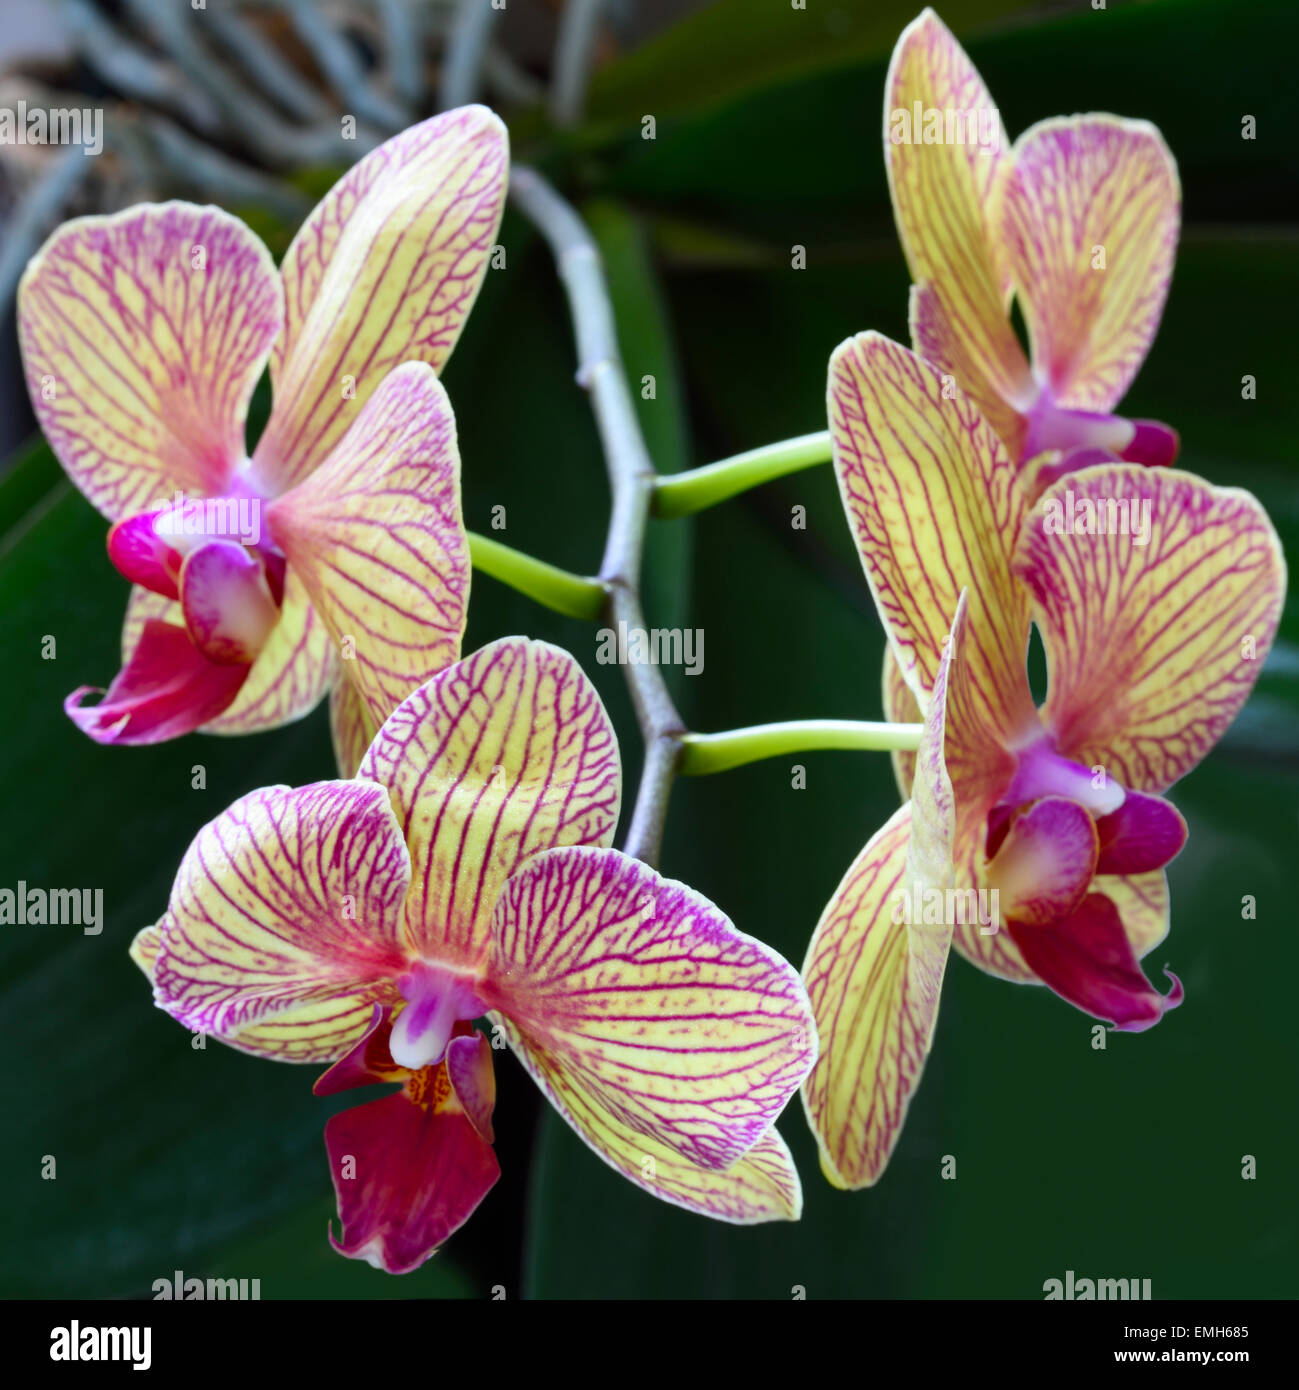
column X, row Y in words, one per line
column 143, row 335
column 385, row 271
column 287, row 898
column 504, row 755
column 648, row 1000
column 1153, row 647
column 934, row 506
column 377, row 535
column 1090, row 221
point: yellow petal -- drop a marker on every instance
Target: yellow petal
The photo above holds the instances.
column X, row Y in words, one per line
column 946, row 195
column 383, row 272
column 377, row 538
column 875, row 965
column 505, row 754
column 1089, row 221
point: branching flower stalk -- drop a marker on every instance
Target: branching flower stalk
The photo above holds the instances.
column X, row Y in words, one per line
column 638, row 491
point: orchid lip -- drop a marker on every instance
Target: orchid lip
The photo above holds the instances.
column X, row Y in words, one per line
column 436, row 1001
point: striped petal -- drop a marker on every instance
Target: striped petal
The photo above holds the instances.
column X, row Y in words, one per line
column 377, row 537
column 350, row 727
column 144, row 948
column 166, row 688
column 940, row 337
column 946, row 166
column 1143, row 904
column 638, row 994
column 1156, row 629
column 143, row 335
column 384, row 271
column 1090, row 217
column 501, row 756
column 875, row 965
column 900, row 707
column 934, row 507
column 287, row 909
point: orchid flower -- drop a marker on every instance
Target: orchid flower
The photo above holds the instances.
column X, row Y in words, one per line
column 1156, row 597
column 465, row 873
column 1078, row 222
column 143, row 335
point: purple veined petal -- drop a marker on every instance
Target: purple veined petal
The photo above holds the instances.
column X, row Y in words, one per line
column 1090, row 214
column 350, row 726
column 1157, row 597
column 1053, row 469
column 1145, row 833
column 1087, row 959
column 166, row 688
column 384, row 271
column 905, row 447
column 1143, row 906
column 628, row 994
column 143, row 335
column 876, row 961
column 229, row 611
column 377, row 536
column 1046, row 863
column 762, row 1186
column 286, row 912
column 945, row 196
column 505, row 754
column 1001, row 392
column 406, row 1177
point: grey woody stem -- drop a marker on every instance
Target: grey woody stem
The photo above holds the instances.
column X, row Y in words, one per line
column 632, row 479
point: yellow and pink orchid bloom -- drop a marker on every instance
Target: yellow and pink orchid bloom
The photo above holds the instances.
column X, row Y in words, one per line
column 143, row 335
column 1077, row 222
column 1156, row 596
column 466, row 873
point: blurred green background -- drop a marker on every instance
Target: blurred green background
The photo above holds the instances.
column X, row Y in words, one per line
column 1124, row 1162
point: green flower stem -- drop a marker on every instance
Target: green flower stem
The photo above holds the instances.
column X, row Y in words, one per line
column 705, row 753
column 550, row 586
column 685, row 493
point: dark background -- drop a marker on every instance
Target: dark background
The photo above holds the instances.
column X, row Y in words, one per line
column 1125, row 1162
